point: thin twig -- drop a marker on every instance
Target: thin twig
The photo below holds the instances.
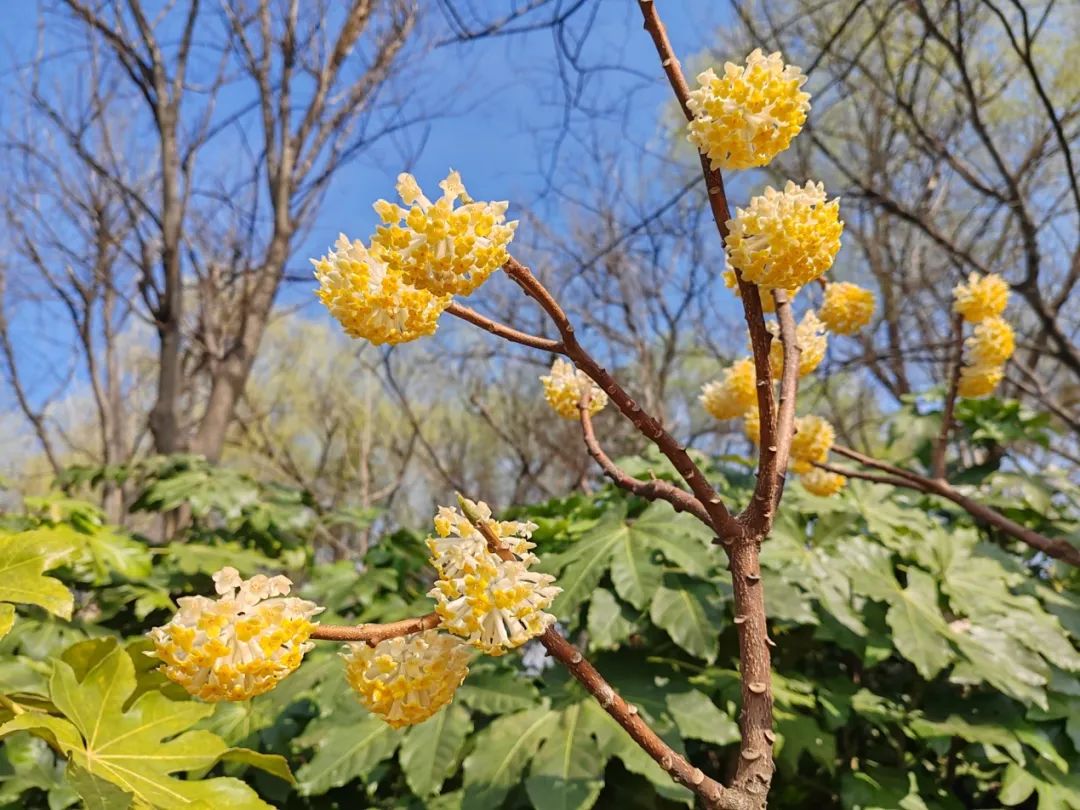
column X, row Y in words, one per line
column 656, row 489
column 504, row 331
column 1058, row 548
column 374, row 633
column 625, row 714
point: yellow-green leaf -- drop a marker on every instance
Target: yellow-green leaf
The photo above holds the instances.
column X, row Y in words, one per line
column 24, row 557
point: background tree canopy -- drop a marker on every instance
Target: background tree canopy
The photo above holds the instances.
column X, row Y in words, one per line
column 174, row 402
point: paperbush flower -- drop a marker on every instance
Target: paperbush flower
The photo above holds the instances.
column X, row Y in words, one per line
column 821, row 482
column 406, row 680
column 979, row 381
column 981, row 298
column 495, row 604
column 438, row 247
column 785, row 239
column 748, row 115
column 847, row 307
column 371, row 300
column 810, row 335
column 238, row 645
column 768, row 303
column 731, row 395
column 992, row 342
column 564, row 386
column 812, row 441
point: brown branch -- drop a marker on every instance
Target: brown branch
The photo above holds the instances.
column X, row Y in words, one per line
column 712, row 793
column 937, row 464
column 504, row 331
column 1058, row 548
column 753, row 775
column 374, row 633
column 761, row 508
column 656, row 489
column 872, row 477
column 720, row 519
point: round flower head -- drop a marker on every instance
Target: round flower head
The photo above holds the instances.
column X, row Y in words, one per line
column 438, row 247
column 981, row 298
column 240, row 644
column 979, row 381
column 785, row 238
column 371, row 300
column 812, row 441
column 768, row 303
column 495, row 604
column 810, row 335
column 563, row 389
column 747, row 116
column 731, row 395
column 847, row 308
column 405, row 680
column 821, row 482
column 992, row 343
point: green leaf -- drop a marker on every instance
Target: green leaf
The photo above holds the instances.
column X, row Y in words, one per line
column 919, row 630
column 567, row 772
column 345, row 752
column 430, row 750
column 273, row 764
column 698, row 718
column 635, row 576
column 584, row 563
column 497, row 692
column 990, row 656
column 608, row 626
column 501, row 753
column 7, row 618
column 137, row 749
column 24, row 557
column 686, row 614
column 97, row 794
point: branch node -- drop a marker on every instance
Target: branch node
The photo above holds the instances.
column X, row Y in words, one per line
column 757, row 687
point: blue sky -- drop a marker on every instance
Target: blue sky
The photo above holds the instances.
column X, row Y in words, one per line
column 500, row 127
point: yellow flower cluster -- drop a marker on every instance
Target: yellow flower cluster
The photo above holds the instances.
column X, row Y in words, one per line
column 981, row 298
column 752, row 424
column 240, row 644
column 495, row 604
column 811, row 444
column 787, row 238
column 406, row 680
column 564, row 387
column 846, row 308
column 747, row 116
column 821, row 482
column 992, row 343
column 810, row 335
column 979, row 381
column 981, row 302
column 731, row 395
column 372, row 301
column 394, row 290
column 438, row 247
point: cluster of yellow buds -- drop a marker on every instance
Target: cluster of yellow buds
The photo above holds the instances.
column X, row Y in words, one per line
column 748, row 115
column 732, row 394
column 564, row 387
column 811, row 443
column 491, row 600
column 395, row 289
column 240, row 644
column 981, row 302
column 811, row 339
column 846, row 307
column 406, row 680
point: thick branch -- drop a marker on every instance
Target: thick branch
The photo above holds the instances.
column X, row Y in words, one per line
column 937, row 464
column 656, row 489
column 374, row 633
